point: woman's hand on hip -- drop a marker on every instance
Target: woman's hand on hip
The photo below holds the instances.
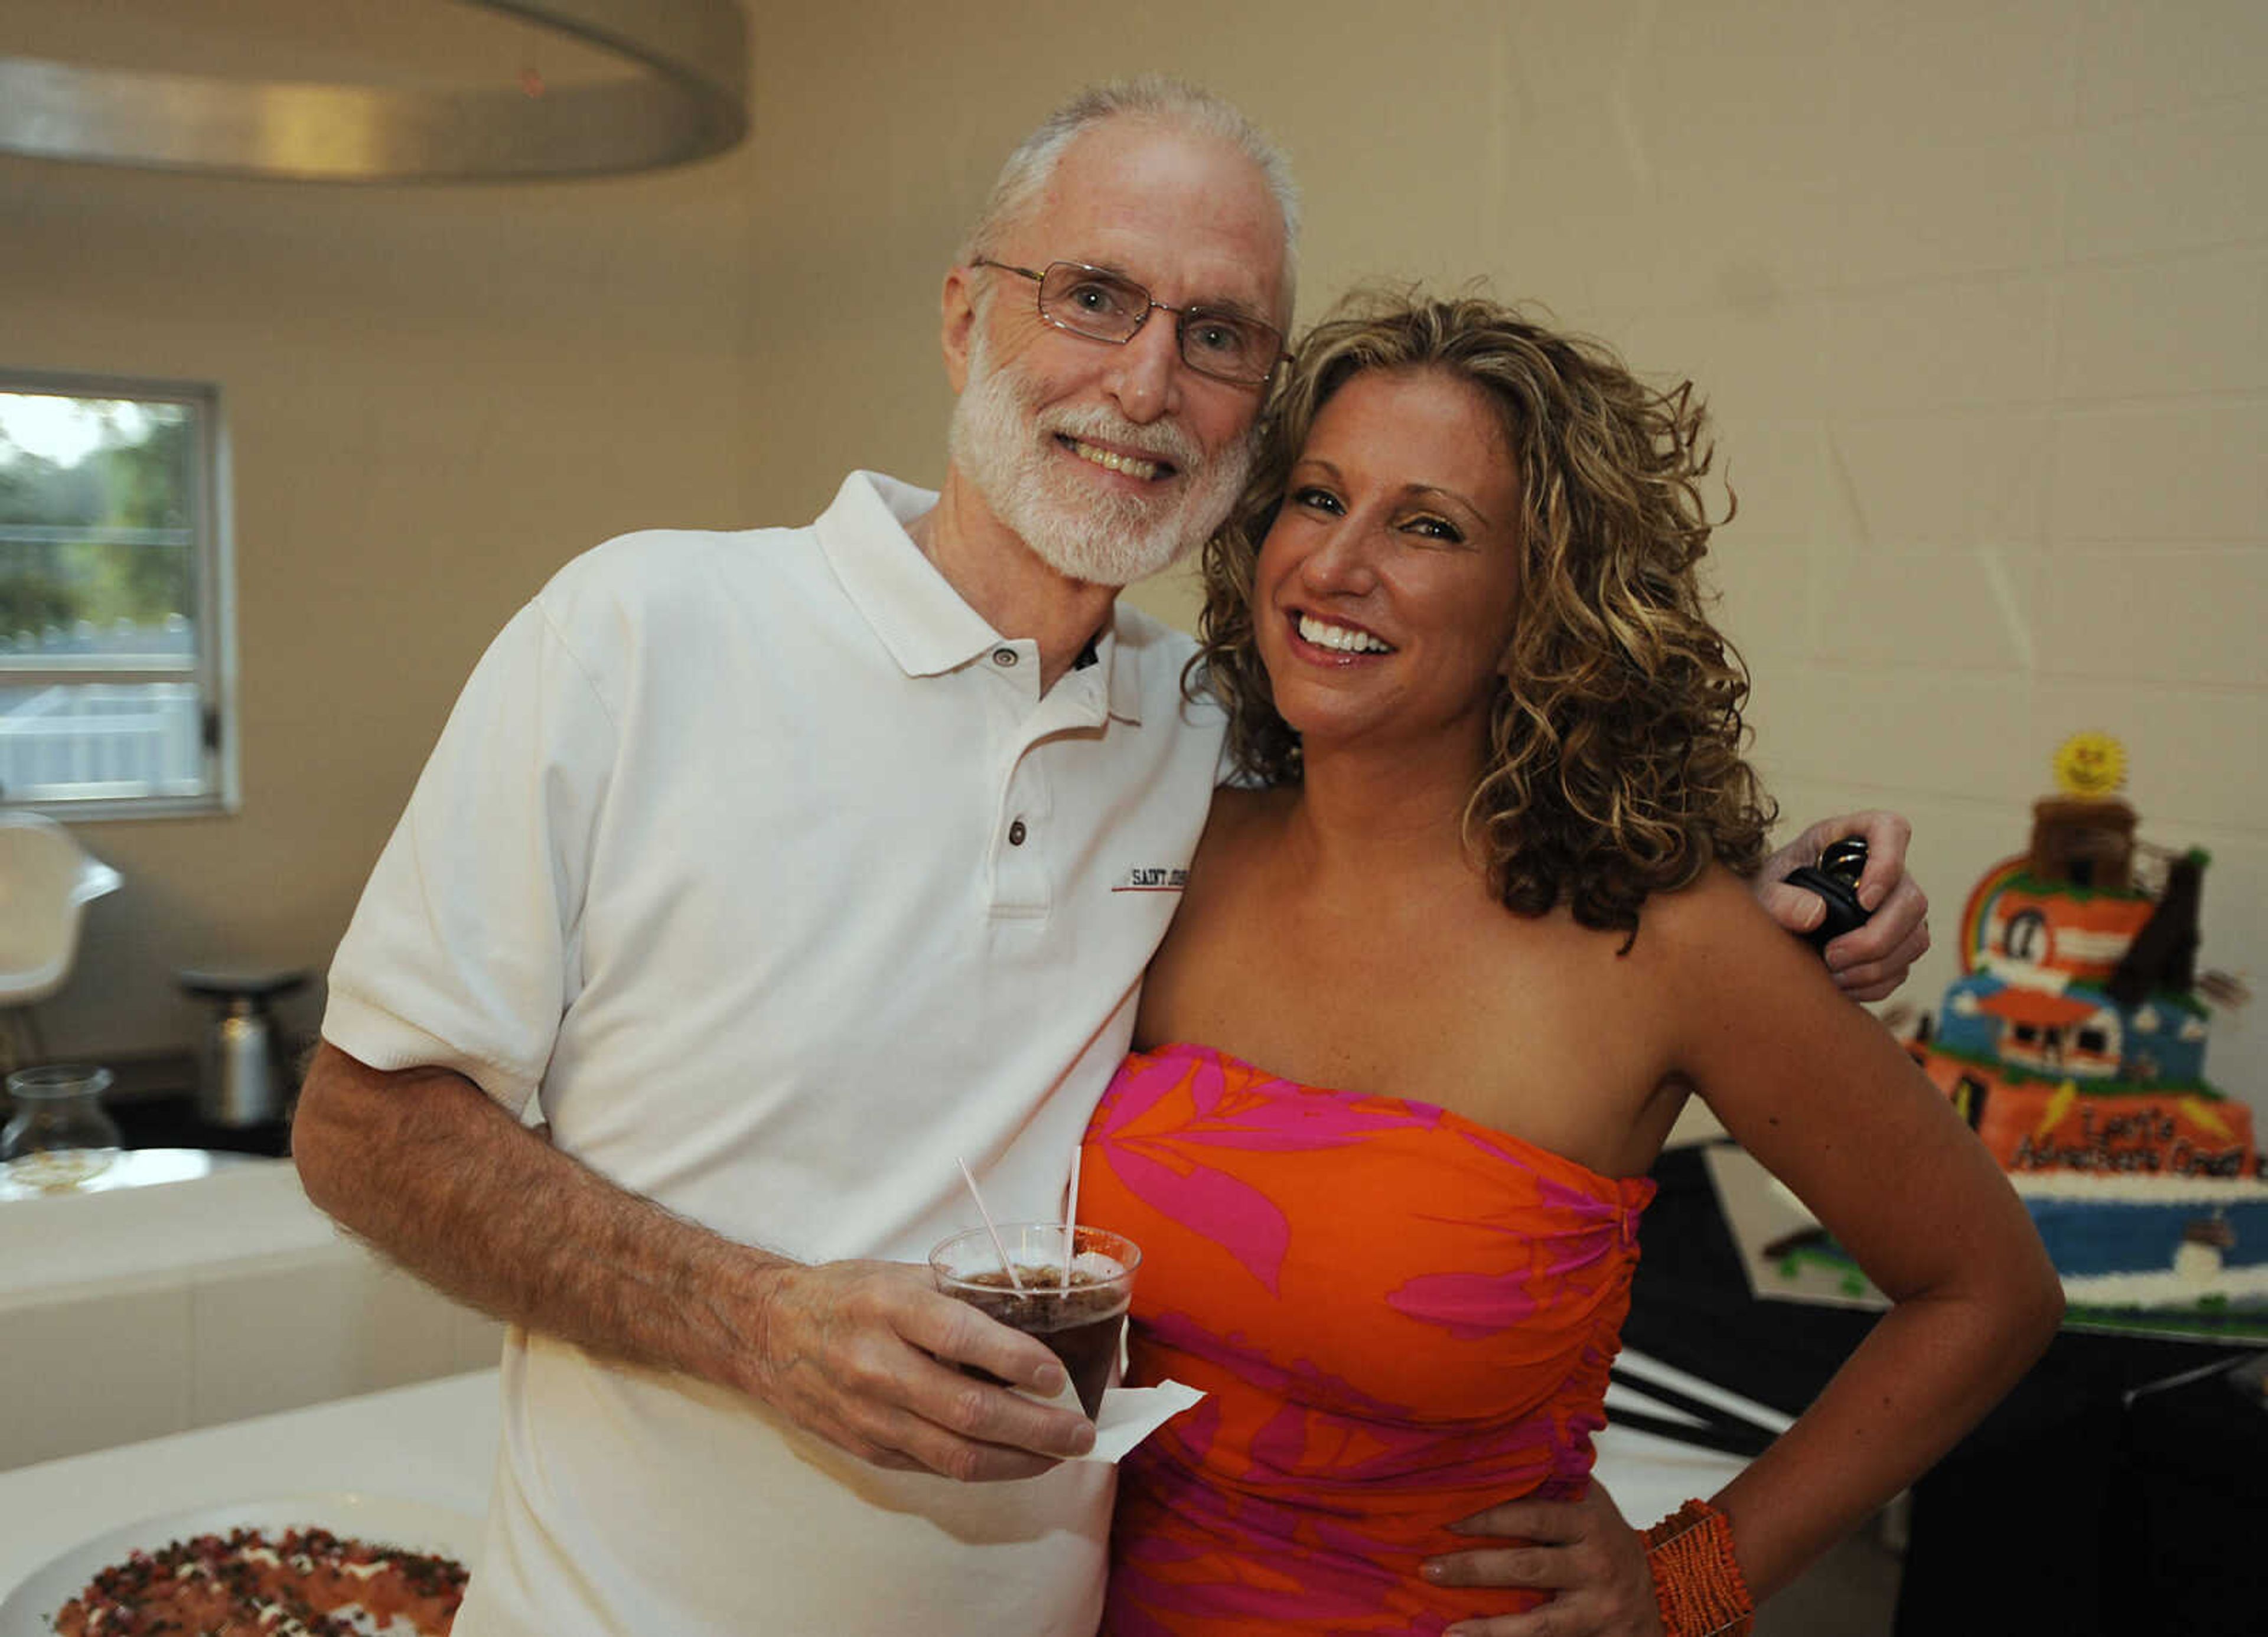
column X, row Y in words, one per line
column 1581, row 1551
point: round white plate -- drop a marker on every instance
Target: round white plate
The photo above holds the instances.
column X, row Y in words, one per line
column 416, row 1525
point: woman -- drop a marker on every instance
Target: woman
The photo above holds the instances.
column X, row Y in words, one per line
column 1444, row 976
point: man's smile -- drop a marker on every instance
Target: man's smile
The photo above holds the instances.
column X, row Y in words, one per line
column 1131, row 465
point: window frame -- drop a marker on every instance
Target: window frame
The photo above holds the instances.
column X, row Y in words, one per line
column 213, row 540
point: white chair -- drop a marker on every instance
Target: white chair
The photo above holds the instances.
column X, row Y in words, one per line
column 46, row 882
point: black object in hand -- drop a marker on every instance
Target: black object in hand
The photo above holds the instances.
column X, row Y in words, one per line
column 1835, row 877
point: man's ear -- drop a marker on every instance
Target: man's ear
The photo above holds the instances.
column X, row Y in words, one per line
column 957, row 331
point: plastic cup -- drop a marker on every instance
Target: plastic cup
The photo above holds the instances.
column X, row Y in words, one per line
column 1081, row 1324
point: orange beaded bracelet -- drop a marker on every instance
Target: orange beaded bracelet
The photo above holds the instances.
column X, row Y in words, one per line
column 1696, row 1584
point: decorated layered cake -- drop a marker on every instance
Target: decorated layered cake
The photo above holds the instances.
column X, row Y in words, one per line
column 2073, row 1042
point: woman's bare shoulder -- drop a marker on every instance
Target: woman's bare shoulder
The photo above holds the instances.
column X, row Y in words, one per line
column 1715, row 907
column 1710, row 952
column 1238, row 820
column 1234, row 805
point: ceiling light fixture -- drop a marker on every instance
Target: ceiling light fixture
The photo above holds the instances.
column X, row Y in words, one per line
column 684, row 97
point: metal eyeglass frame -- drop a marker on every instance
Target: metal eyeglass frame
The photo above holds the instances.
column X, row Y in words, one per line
column 1182, row 316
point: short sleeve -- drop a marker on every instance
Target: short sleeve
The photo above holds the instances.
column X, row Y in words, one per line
column 463, row 951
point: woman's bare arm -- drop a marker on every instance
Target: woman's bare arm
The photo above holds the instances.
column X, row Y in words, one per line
column 1823, row 1096
column 1819, row 1092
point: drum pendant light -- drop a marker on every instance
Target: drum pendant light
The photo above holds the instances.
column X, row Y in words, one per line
column 677, row 91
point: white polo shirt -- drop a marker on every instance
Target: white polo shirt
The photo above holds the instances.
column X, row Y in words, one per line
column 759, row 859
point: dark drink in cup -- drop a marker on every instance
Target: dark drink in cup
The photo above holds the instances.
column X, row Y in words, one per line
column 1080, row 1325
column 1078, row 1317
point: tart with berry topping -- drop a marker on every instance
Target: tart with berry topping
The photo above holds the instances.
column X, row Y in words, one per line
column 298, row 1582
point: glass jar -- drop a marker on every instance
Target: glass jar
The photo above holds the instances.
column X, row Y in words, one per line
column 59, row 1136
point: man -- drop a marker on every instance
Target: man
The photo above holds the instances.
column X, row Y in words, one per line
column 779, row 880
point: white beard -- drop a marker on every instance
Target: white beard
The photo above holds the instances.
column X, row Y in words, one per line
column 1007, row 449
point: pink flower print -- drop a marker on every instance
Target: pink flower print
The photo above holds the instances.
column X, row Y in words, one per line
column 1134, row 1093
column 1610, row 1198
column 1471, row 1307
column 1259, row 1115
column 1233, row 1214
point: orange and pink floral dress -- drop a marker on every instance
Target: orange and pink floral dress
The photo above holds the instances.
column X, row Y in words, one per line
column 1398, row 1317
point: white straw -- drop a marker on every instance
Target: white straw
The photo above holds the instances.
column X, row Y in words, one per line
column 1071, row 1218
column 1014, row 1283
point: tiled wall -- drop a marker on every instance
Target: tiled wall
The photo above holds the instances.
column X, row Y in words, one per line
column 1994, row 394
column 1978, row 288
column 1979, row 295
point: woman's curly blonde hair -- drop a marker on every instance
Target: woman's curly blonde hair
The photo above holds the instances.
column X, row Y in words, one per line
column 1614, row 765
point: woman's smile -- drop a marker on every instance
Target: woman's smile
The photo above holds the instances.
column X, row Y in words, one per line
column 1339, row 643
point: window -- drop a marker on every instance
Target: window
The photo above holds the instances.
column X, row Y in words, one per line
column 114, row 650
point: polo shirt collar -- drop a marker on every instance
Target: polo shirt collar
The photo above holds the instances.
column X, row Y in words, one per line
column 1113, row 648
column 914, row 609
column 916, row 614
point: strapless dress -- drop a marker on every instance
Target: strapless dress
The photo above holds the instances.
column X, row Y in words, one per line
column 1398, row 1317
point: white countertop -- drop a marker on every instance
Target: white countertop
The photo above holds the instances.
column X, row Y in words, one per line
column 135, row 1168
column 68, row 1244
column 140, row 1312
column 436, row 1442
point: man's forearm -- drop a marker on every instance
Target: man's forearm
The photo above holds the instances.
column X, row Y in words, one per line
column 432, row 1173
column 863, row 1354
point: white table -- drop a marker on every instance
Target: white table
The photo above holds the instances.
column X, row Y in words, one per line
column 138, row 1168
column 105, row 1236
column 130, row 1313
column 436, row 1442
column 1650, row 1477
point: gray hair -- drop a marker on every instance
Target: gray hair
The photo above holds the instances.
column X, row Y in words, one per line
column 1163, row 99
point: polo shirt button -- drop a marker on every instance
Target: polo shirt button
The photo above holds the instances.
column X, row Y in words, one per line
column 1003, row 657
column 1016, row 834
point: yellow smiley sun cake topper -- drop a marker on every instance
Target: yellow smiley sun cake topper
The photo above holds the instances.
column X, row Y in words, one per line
column 2090, row 765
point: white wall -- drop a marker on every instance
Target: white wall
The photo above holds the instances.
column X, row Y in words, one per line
column 433, row 397
column 1979, row 292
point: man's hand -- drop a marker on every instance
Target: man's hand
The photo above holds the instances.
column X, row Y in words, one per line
column 1581, row 1551
column 863, row 1354
column 1872, row 962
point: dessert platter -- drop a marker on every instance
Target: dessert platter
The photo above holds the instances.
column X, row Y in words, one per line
column 294, row 1566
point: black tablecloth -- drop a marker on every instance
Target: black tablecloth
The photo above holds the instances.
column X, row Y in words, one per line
column 2095, row 1499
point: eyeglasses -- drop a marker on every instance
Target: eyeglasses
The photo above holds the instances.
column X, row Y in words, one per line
column 1106, row 307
